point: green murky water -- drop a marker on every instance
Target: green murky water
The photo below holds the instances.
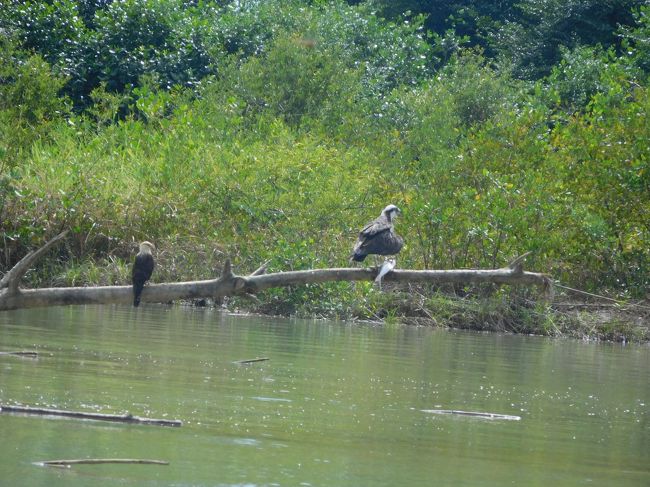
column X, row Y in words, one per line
column 336, row 404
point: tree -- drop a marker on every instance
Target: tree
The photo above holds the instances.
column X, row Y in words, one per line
column 533, row 41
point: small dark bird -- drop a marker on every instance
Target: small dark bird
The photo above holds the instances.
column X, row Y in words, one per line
column 378, row 237
column 142, row 269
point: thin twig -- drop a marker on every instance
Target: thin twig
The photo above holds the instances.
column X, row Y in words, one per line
column 601, row 297
column 261, row 269
column 517, row 264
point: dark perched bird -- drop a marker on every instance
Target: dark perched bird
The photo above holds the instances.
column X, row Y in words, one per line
column 378, row 237
column 142, row 269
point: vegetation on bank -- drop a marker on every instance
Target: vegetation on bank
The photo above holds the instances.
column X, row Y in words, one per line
column 273, row 130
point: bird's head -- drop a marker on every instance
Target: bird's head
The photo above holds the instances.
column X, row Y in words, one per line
column 147, row 247
column 391, row 211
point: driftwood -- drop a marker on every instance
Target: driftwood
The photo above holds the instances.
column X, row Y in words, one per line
column 251, row 360
column 472, row 414
column 98, row 461
column 123, row 418
column 22, row 353
column 228, row 284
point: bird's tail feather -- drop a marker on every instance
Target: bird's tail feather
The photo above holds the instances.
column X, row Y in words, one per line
column 357, row 257
column 137, row 291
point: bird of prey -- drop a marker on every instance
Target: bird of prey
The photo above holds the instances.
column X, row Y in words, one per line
column 378, row 237
column 142, row 269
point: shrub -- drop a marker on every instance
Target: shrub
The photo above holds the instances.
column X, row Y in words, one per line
column 297, row 80
column 30, row 104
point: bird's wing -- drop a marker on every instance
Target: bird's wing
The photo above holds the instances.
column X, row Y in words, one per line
column 374, row 227
column 143, row 266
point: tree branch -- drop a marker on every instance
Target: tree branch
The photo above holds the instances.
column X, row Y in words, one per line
column 12, row 278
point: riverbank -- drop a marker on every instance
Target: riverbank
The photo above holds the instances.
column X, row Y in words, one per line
column 517, row 309
column 513, row 311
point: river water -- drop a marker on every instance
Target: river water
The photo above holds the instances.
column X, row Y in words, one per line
column 335, row 404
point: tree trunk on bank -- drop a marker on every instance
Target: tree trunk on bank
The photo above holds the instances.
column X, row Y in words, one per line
column 229, row 284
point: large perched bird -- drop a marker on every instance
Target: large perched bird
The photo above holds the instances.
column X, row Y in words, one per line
column 142, row 269
column 378, row 237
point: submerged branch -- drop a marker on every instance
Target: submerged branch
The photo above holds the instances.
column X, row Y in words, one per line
column 473, row 414
column 22, row 353
column 251, row 360
column 97, row 461
column 124, row 418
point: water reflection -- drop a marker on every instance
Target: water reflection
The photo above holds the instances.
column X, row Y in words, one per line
column 335, row 404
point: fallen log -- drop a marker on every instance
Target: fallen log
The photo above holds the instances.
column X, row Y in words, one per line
column 472, row 414
column 229, row 284
column 98, row 461
column 120, row 418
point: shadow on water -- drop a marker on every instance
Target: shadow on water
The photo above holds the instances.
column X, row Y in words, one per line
column 334, row 404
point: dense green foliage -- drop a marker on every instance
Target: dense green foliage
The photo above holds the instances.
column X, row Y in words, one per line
column 274, row 130
column 527, row 34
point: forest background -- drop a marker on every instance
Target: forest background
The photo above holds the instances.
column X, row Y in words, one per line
column 274, row 129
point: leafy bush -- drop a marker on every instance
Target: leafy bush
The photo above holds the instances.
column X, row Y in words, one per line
column 135, row 37
column 478, row 91
column 605, row 166
column 578, row 76
column 534, row 38
column 29, row 102
column 122, row 41
column 297, row 80
column 636, row 39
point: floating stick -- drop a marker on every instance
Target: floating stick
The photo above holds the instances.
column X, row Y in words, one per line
column 22, row 353
column 252, row 360
column 97, row 461
column 472, row 413
column 124, row 418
